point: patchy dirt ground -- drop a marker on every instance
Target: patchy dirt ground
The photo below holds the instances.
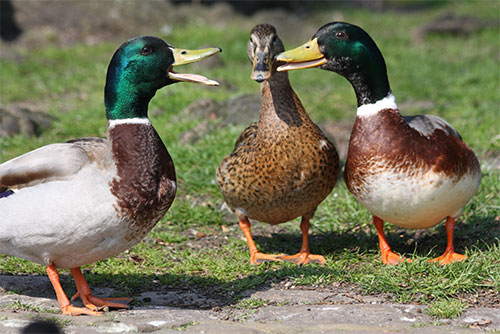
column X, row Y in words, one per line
column 278, row 307
column 285, row 310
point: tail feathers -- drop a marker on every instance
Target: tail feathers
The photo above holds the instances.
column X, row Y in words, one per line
column 5, row 192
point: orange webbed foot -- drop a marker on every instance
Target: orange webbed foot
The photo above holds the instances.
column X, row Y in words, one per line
column 74, row 311
column 94, row 303
column 449, row 254
column 302, row 258
column 389, row 257
column 91, row 302
column 449, row 257
column 64, row 303
column 258, row 258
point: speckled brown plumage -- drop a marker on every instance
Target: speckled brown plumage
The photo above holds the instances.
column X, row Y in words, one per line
column 283, row 166
column 145, row 187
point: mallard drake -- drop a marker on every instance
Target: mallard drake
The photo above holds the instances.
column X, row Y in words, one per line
column 282, row 166
column 69, row 204
column 410, row 171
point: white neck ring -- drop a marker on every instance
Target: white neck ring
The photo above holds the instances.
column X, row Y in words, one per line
column 388, row 102
column 114, row 122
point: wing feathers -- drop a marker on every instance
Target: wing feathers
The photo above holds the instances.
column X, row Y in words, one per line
column 44, row 164
column 427, row 124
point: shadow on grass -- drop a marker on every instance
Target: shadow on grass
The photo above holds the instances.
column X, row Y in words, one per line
column 196, row 291
column 172, row 290
column 479, row 232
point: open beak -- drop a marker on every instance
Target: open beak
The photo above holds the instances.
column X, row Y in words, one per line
column 261, row 67
column 305, row 56
column 184, row 56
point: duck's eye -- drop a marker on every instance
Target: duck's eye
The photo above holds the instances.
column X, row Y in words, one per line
column 341, row 35
column 146, row 50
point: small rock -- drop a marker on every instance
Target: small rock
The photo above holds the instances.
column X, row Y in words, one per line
column 239, row 110
column 23, row 119
column 166, row 29
column 452, row 24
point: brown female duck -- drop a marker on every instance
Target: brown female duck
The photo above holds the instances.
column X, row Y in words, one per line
column 282, row 166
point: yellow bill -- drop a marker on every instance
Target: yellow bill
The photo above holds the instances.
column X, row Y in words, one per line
column 184, row 56
column 305, row 56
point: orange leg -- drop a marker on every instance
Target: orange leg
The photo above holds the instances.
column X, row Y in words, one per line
column 305, row 256
column 388, row 256
column 255, row 256
column 66, row 306
column 91, row 302
column 449, row 254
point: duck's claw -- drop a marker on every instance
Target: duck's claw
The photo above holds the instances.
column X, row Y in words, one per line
column 91, row 302
column 449, row 254
column 449, row 257
column 126, row 299
column 64, row 303
column 72, row 310
column 389, row 257
column 94, row 303
column 258, row 258
column 302, row 258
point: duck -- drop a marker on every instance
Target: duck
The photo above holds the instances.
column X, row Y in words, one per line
column 410, row 171
column 65, row 205
column 282, row 166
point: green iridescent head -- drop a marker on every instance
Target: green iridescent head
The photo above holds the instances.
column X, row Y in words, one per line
column 139, row 68
column 347, row 50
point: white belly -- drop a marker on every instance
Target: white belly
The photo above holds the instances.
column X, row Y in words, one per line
column 417, row 201
column 65, row 223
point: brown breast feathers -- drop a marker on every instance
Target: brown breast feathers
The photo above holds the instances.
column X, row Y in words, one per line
column 145, row 186
column 387, row 139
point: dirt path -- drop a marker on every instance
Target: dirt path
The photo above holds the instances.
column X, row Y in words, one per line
column 25, row 298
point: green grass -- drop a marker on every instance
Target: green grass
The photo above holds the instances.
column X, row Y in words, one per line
column 20, row 306
column 194, row 246
column 185, row 326
column 252, row 303
column 446, row 308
